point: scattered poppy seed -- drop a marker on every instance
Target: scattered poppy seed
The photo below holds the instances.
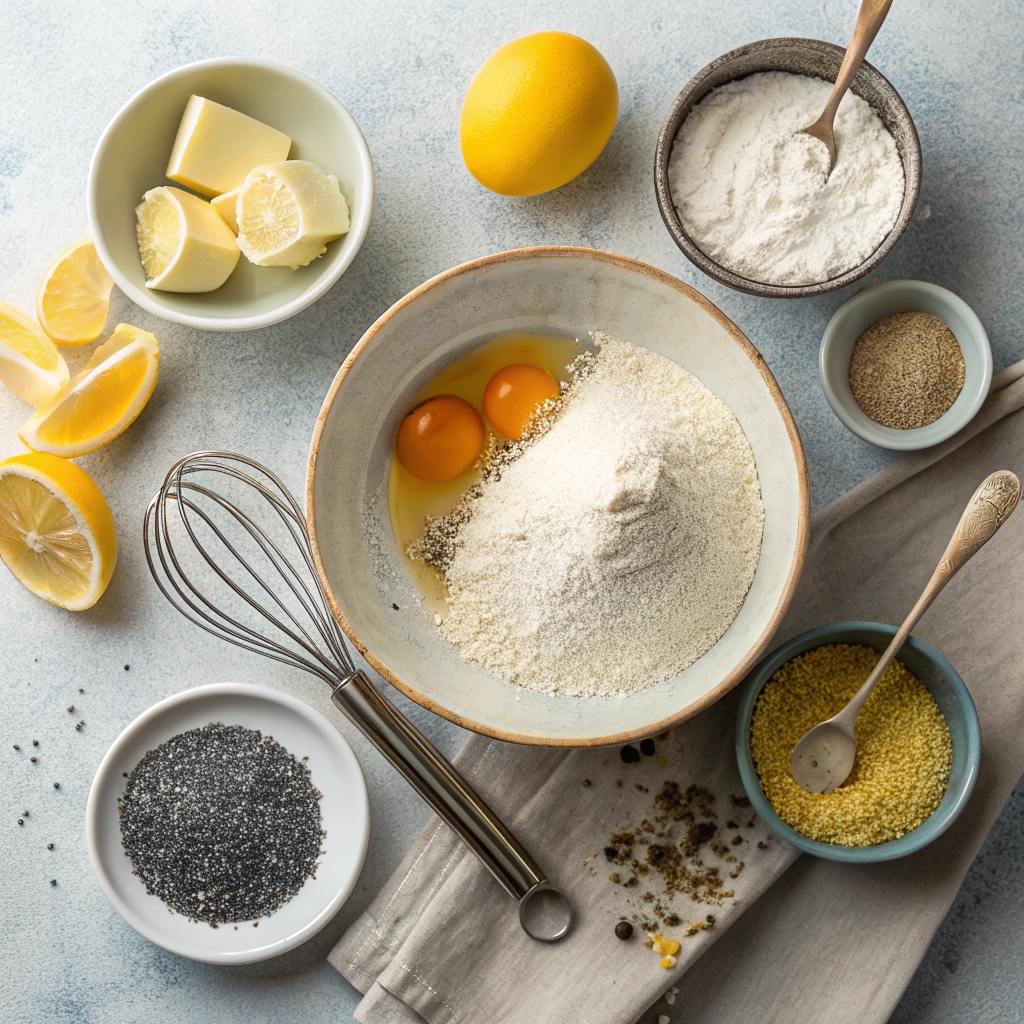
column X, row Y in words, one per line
column 629, row 754
column 395, row 606
column 16, row 747
column 53, row 881
column 32, row 759
column 126, row 668
column 21, row 821
column 71, row 707
column 80, row 690
column 647, row 748
column 49, row 846
column 56, row 785
column 586, row 782
column 25, row 813
column 35, row 743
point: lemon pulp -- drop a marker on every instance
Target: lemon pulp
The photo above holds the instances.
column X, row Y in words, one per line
column 41, row 541
column 159, row 233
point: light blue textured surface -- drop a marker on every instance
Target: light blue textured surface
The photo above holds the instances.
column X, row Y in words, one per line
column 65, row 956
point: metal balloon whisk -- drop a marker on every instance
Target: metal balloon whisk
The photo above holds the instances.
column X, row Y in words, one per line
column 227, row 545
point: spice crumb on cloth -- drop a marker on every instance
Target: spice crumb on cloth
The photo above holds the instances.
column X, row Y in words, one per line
column 904, row 750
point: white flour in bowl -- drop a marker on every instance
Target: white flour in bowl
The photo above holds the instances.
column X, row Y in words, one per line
column 751, row 189
column 619, row 546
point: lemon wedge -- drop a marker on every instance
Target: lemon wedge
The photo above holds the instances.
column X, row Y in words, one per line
column 56, row 531
column 74, row 296
column 184, row 244
column 288, row 212
column 102, row 400
column 30, row 364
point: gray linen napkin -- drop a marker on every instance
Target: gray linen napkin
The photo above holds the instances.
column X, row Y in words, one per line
column 441, row 942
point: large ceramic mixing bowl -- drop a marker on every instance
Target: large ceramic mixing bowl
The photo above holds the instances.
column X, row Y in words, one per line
column 554, row 291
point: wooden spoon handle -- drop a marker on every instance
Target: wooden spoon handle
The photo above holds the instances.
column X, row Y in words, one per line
column 869, row 20
column 988, row 509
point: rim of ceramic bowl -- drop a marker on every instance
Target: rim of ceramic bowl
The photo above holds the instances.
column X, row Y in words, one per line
column 699, row 86
column 953, row 419
column 804, row 512
column 932, row 827
column 140, row 725
column 358, row 229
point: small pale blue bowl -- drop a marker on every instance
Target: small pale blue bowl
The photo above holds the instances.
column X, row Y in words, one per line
column 944, row 685
column 856, row 315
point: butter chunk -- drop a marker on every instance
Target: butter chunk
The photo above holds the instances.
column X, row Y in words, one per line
column 225, row 204
column 216, row 147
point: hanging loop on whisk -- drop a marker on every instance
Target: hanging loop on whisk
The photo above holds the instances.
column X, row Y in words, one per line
column 227, row 545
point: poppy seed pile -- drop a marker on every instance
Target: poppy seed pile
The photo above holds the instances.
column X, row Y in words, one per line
column 221, row 823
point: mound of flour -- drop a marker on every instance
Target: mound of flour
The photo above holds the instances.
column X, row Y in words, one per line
column 617, row 548
column 754, row 192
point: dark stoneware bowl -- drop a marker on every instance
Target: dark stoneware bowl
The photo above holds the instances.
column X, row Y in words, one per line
column 805, row 57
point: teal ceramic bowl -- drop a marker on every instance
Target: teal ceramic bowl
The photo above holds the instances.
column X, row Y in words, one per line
column 945, row 686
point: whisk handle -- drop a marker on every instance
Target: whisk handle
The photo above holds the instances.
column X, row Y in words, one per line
column 440, row 785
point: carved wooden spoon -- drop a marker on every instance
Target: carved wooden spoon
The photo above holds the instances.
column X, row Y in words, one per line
column 869, row 20
column 824, row 757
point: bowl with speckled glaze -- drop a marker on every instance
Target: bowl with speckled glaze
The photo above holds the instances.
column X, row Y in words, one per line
column 817, row 59
column 131, row 157
column 547, row 290
column 942, row 682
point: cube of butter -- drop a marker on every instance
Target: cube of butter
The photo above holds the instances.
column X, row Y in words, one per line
column 216, row 147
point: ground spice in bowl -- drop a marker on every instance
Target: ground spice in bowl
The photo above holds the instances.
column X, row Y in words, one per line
column 907, row 370
column 904, row 748
column 222, row 823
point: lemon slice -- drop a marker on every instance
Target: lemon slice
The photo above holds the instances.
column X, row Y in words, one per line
column 74, row 296
column 56, row 531
column 102, row 400
column 288, row 212
column 30, row 364
column 184, row 244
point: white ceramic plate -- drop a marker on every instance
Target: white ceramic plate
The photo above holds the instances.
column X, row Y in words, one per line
column 560, row 291
column 344, row 810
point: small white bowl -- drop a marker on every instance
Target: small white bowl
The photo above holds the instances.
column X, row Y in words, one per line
column 344, row 809
column 131, row 157
column 856, row 315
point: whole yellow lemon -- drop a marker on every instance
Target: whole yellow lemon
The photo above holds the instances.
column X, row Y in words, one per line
column 538, row 113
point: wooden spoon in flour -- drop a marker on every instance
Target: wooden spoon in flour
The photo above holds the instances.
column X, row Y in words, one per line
column 869, row 20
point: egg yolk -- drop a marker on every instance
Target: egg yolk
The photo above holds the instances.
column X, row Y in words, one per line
column 513, row 396
column 440, row 438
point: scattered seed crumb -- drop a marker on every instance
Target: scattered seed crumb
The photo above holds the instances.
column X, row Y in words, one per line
column 71, row 708
column 80, row 690
column 21, row 821
column 663, row 1020
column 586, row 782
column 53, row 881
column 670, row 998
column 647, row 748
column 33, row 759
column 629, row 754
column 762, row 845
column 16, row 747
column 126, row 667
column 395, row 606
column 56, row 785
column 49, row 846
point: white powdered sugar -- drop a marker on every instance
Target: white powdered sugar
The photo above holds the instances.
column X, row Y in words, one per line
column 620, row 545
column 753, row 191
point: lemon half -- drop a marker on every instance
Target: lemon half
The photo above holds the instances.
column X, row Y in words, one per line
column 102, row 400
column 288, row 212
column 537, row 114
column 56, row 531
column 30, row 364
column 184, row 244
column 74, row 296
